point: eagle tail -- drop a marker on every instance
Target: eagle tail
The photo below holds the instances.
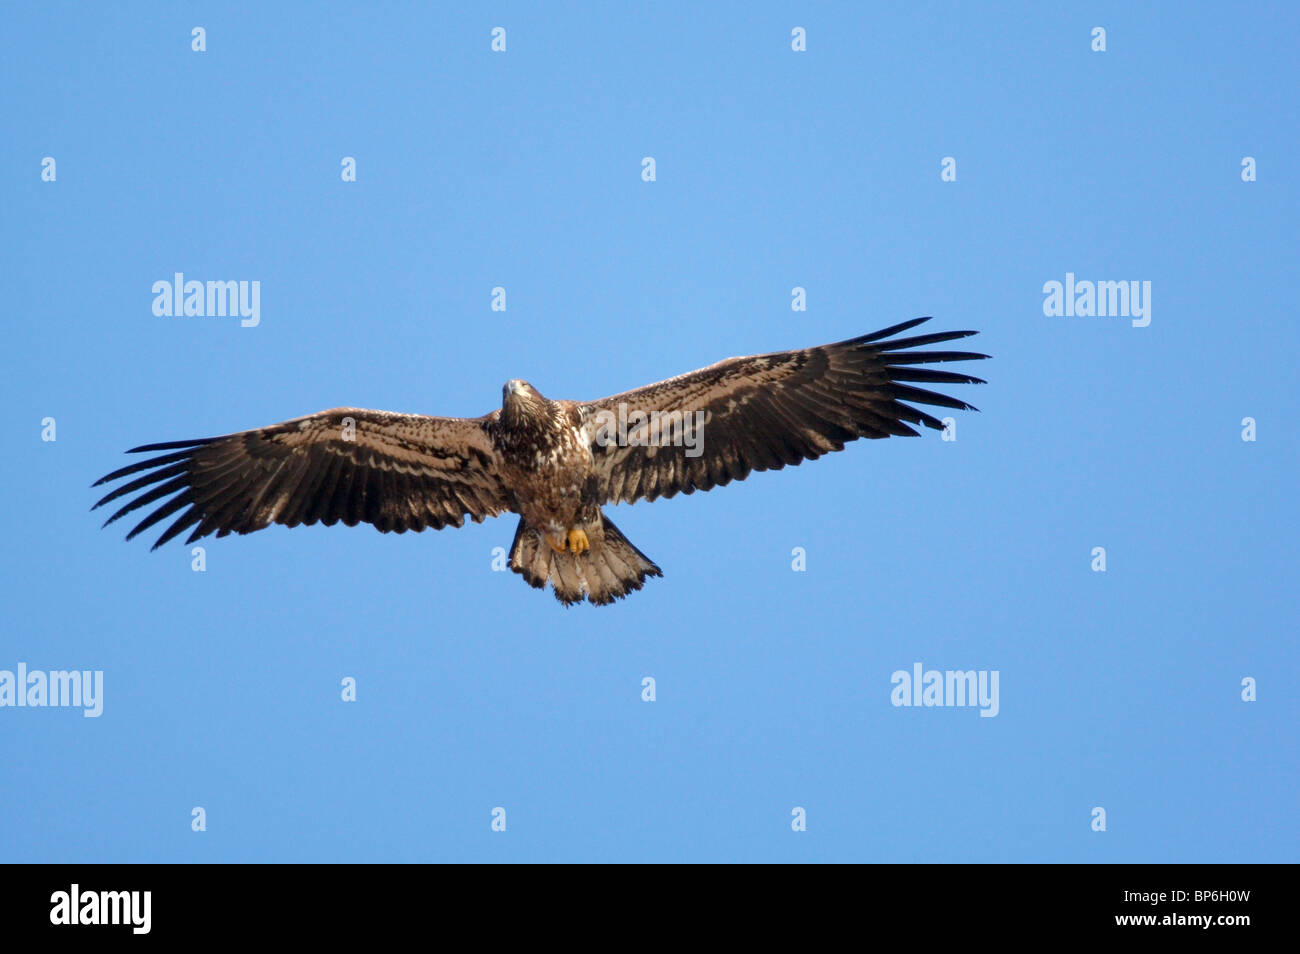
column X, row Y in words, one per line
column 609, row 571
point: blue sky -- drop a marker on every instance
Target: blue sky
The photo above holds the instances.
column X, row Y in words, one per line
column 774, row 169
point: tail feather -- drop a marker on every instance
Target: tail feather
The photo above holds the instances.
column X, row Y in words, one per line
column 609, row 571
column 567, row 577
column 605, row 570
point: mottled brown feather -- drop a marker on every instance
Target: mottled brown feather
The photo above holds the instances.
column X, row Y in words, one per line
column 399, row 472
column 768, row 411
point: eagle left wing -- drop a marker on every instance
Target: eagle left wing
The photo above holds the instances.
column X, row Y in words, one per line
column 766, row 411
column 396, row 471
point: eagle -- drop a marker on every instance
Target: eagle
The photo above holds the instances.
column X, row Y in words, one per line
column 554, row 463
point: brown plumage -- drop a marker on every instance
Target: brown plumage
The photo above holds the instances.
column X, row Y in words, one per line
column 555, row 463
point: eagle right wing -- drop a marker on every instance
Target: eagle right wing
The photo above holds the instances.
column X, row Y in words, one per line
column 766, row 411
column 397, row 471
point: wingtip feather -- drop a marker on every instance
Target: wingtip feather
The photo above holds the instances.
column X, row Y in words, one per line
column 171, row 445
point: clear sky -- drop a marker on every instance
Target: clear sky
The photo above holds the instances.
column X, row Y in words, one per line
column 774, row 169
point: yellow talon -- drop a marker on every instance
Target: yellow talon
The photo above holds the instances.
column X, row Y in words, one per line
column 578, row 542
column 557, row 547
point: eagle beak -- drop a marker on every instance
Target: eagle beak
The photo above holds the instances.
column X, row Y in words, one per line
column 515, row 387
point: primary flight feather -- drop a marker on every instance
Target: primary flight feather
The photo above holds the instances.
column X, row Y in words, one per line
column 555, row 463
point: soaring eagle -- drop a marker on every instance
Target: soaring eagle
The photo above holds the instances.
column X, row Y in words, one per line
column 555, row 463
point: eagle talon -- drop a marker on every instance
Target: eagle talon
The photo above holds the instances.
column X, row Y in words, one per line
column 578, row 542
column 550, row 541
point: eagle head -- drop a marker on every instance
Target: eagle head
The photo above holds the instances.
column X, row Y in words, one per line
column 520, row 401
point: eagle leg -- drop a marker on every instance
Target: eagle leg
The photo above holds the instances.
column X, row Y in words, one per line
column 557, row 547
column 578, row 541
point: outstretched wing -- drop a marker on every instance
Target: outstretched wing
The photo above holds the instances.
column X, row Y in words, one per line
column 397, row 471
column 766, row 411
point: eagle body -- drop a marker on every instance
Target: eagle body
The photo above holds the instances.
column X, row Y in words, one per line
column 554, row 463
column 546, row 460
